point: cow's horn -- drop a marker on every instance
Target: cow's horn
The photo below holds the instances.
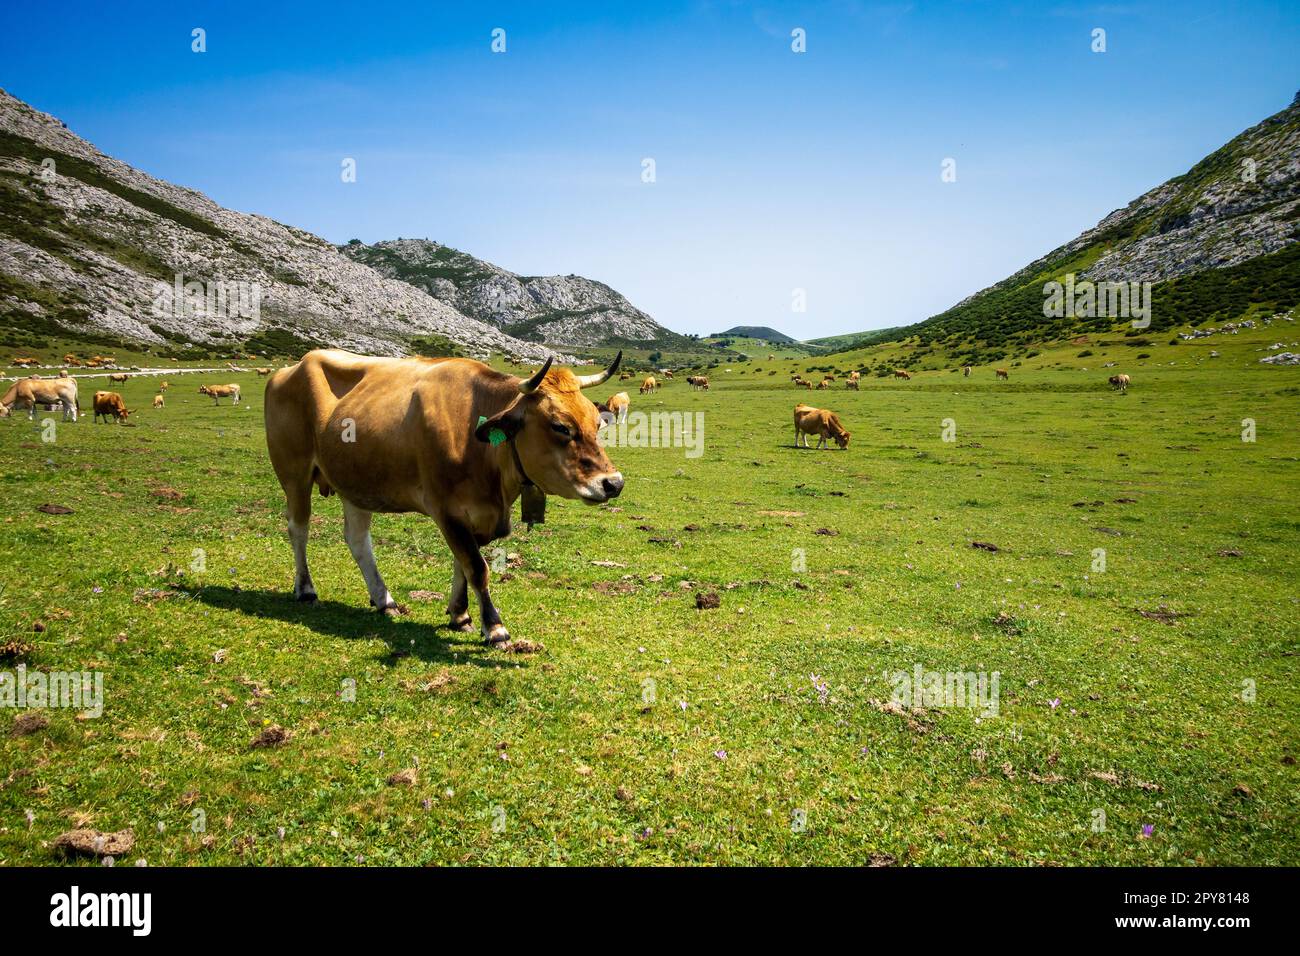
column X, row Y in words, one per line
column 586, row 381
column 530, row 385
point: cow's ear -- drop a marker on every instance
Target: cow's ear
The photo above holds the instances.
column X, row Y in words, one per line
column 501, row 427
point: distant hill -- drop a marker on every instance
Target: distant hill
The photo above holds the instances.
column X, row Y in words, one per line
column 94, row 250
column 754, row 332
column 1217, row 242
column 556, row 310
column 854, row 340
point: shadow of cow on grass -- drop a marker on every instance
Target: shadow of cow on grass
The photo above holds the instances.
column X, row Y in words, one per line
column 434, row 643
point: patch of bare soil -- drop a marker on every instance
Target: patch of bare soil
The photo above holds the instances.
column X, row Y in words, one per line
column 28, row 722
column 272, row 736
column 94, row 843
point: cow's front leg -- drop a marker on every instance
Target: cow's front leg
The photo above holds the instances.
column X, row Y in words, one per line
column 458, row 604
column 466, row 550
column 356, row 531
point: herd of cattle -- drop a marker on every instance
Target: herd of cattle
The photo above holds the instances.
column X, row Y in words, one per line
column 535, row 436
column 54, row 394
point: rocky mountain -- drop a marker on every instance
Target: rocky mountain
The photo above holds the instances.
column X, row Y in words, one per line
column 1216, row 242
column 93, row 248
column 558, row 310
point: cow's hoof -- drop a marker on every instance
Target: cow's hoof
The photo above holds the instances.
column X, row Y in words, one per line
column 462, row 624
column 307, row 597
column 496, row 634
column 394, row 610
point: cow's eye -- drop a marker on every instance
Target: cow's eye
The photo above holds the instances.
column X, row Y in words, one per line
column 561, row 429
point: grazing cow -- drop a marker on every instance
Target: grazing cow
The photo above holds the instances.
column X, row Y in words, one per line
column 163, row 387
column 667, row 373
column 71, row 359
column 617, row 406
column 624, row 376
column 450, row 438
column 824, row 383
column 263, row 371
column 119, row 377
column 218, row 392
column 829, row 377
column 50, row 393
column 158, row 401
column 901, row 373
column 852, row 383
column 110, row 403
column 24, row 362
column 855, row 376
column 807, row 384
column 1002, row 373
column 820, row 422
column 966, row 372
column 649, row 385
column 1119, row 382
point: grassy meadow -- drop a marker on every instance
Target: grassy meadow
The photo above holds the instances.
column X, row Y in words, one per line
column 649, row 731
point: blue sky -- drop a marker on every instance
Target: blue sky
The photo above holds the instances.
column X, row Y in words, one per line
column 775, row 171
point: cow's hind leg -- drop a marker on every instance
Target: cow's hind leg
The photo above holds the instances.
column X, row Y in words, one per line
column 458, row 604
column 298, row 512
column 356, row 531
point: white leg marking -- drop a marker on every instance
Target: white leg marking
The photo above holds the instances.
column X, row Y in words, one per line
column 356, row 531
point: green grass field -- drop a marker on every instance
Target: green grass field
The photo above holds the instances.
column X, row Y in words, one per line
column 767, row 736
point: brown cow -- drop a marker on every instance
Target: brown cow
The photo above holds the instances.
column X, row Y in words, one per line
column 71, row 359
column 110, row 403
column 24, row 362
column 824, row 383
column 855, row 376
column 29, row 392
column 649, row 385
column 820, row 422
column 263, row 371
column 450, row 438
column 617, row 406
column 852, row 383
column 807, row 384
column 163, row 387
column 1002, row 373
column 218, row 392
column 158, row 401
column 118, row 377
column 901, row 373
column 1120, row 382
column 667, row 373
column 698, row 382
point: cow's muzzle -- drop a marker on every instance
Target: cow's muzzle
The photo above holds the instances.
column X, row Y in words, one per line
column 602, row 489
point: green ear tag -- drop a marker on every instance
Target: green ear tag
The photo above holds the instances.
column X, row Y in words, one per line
column 496, row 436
